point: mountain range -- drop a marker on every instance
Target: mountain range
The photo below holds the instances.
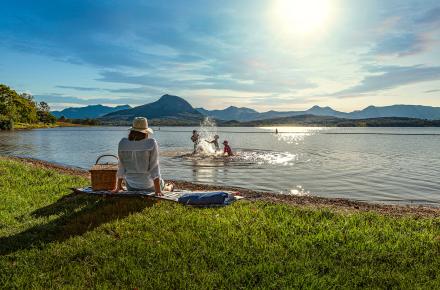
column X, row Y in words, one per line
column 404, row 111
column 328, row 121
column 89, row 112
column 170, row 107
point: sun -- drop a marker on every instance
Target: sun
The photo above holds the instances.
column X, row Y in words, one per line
column 302, row 16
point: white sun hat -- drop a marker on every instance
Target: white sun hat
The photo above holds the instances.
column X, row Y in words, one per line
column 140, row 124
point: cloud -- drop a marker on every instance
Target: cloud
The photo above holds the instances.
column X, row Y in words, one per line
column 79, row 88
column 402, row 45
column 432, row 91
column 59, row 99
column 405, row 36
column 275, row 100
column 432, row 16
column 136, row 90
column 389, row 77
column 196, row 82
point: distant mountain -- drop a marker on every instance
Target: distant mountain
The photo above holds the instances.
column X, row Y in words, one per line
column 404, row 111
column 315, row 110
column 247, row 114
column 89, row 112
column 407, row 111
column 328, row 121
column 325, row 111
column 231, row 113
column 167, row 107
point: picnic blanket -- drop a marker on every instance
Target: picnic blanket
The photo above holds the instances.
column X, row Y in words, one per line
column 181, row 196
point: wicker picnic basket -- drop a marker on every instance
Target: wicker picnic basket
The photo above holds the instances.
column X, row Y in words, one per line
column 104, row 175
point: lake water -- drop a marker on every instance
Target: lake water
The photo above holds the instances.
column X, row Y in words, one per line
column 392, row 165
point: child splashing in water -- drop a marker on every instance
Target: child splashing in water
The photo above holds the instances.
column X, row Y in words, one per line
column 215, row 142
column 206, row 144
column 227, row 150
column 195, row 138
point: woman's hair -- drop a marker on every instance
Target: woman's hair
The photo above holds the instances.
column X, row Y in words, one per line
column 137, row 136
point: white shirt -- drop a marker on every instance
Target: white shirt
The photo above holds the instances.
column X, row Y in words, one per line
column 138, row 162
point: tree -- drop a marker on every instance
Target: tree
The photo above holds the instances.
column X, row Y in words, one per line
column 6, row 123
column 7, row 108
column 44, row 114
column 18, row 108
column 27, row 96
column 26, row 110
column 44, row 107
column 21, row 108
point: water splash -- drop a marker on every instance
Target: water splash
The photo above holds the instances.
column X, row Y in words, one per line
column 208, row 129
column 298, row 191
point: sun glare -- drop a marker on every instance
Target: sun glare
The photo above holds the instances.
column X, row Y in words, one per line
column 302, row 16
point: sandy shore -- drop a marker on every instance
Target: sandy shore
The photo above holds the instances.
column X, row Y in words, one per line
column 339, row 204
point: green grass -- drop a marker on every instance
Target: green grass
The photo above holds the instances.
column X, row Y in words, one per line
column 52, row 239
column 33, row 126
column 22, row 126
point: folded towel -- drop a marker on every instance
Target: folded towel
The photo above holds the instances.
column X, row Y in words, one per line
column 203, row 198
column 190, row 198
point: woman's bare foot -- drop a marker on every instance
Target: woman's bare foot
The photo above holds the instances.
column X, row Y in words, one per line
column 116, row 190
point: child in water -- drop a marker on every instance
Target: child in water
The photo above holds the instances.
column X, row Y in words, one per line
column 195, row 138
column 227, row 150
column 215, row 142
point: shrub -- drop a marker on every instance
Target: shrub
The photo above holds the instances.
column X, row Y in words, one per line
column 6, row 123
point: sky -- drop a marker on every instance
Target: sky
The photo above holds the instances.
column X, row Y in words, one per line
column 267, row 55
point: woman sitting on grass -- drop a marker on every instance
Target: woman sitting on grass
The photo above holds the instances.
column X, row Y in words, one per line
column 139, row 161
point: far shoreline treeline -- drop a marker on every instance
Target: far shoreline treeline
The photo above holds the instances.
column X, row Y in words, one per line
column 296, row 121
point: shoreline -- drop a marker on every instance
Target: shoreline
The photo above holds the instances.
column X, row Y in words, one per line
column 339, row 204
column 25, row 127
column 219, row 125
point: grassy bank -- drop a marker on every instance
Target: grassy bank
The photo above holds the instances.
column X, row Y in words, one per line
column 50, row 238
column 21, row 126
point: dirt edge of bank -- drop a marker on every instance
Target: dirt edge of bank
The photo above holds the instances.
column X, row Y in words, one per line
column 339, row 204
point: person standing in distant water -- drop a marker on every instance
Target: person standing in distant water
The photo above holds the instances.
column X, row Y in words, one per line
column 196, row 139
column 276, row 131
column 215, row 142
column 227, row 150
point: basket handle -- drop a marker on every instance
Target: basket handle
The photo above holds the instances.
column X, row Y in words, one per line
column 106, row 155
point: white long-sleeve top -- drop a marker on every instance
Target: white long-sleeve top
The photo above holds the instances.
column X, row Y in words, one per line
column 138, row 162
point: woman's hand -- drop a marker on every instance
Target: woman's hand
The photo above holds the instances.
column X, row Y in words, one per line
column 157, row 188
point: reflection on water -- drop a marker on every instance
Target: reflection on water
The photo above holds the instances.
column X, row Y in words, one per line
column 240, row 157
column 294, row 135
column 373, row 164
column 261, row 157
column 298, row 191
column 215, row 173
